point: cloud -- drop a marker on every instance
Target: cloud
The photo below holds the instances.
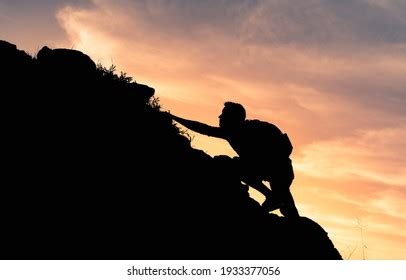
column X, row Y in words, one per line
column 360, row 177
column 5, row 17
column 331, row 23
column 318, row 23
column 31, row 24
column 342, row 204
column 372, row 155
column 230, row 38
column 325, row 25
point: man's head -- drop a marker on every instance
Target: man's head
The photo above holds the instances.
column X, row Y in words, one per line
column 233, row 114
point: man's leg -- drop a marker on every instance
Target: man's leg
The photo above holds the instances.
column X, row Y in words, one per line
column 282, row 180
column 259, row 186
column 250, row 177
column 289, row 209
column 271, row 202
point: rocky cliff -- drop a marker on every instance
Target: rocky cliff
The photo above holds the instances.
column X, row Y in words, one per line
column 92, row 169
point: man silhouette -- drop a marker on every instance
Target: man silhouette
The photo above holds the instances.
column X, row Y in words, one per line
column 263, row 152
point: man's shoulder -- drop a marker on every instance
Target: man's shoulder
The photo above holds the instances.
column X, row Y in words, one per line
column 261, row 125
column 270, row 138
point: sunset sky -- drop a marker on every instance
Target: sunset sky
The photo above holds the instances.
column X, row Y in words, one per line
column 330, row 73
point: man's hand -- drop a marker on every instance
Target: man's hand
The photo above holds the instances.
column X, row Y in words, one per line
column 167, row 115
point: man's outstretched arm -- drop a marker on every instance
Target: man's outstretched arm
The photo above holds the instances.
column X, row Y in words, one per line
column 199, row 127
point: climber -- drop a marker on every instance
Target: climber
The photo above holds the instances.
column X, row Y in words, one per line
column 263, row 154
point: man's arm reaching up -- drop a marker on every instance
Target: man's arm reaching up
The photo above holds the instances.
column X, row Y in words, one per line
column 199, row 127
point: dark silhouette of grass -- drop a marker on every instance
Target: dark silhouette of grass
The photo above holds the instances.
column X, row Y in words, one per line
column 94, row 170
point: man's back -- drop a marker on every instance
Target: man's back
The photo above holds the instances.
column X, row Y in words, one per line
column 260, row 141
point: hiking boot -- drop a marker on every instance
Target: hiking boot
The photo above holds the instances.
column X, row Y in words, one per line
column 271, row 205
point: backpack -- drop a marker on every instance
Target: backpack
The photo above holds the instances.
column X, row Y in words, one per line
column 268, row 140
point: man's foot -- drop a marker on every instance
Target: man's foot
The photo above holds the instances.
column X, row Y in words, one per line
column 271, row 205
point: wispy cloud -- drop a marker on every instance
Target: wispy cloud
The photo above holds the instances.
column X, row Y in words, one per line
column 373, row 155
column 260, row 41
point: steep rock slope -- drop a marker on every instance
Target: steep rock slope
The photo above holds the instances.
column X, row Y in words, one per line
column 93, row 170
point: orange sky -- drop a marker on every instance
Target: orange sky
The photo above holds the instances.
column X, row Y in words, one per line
column 329, row 74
